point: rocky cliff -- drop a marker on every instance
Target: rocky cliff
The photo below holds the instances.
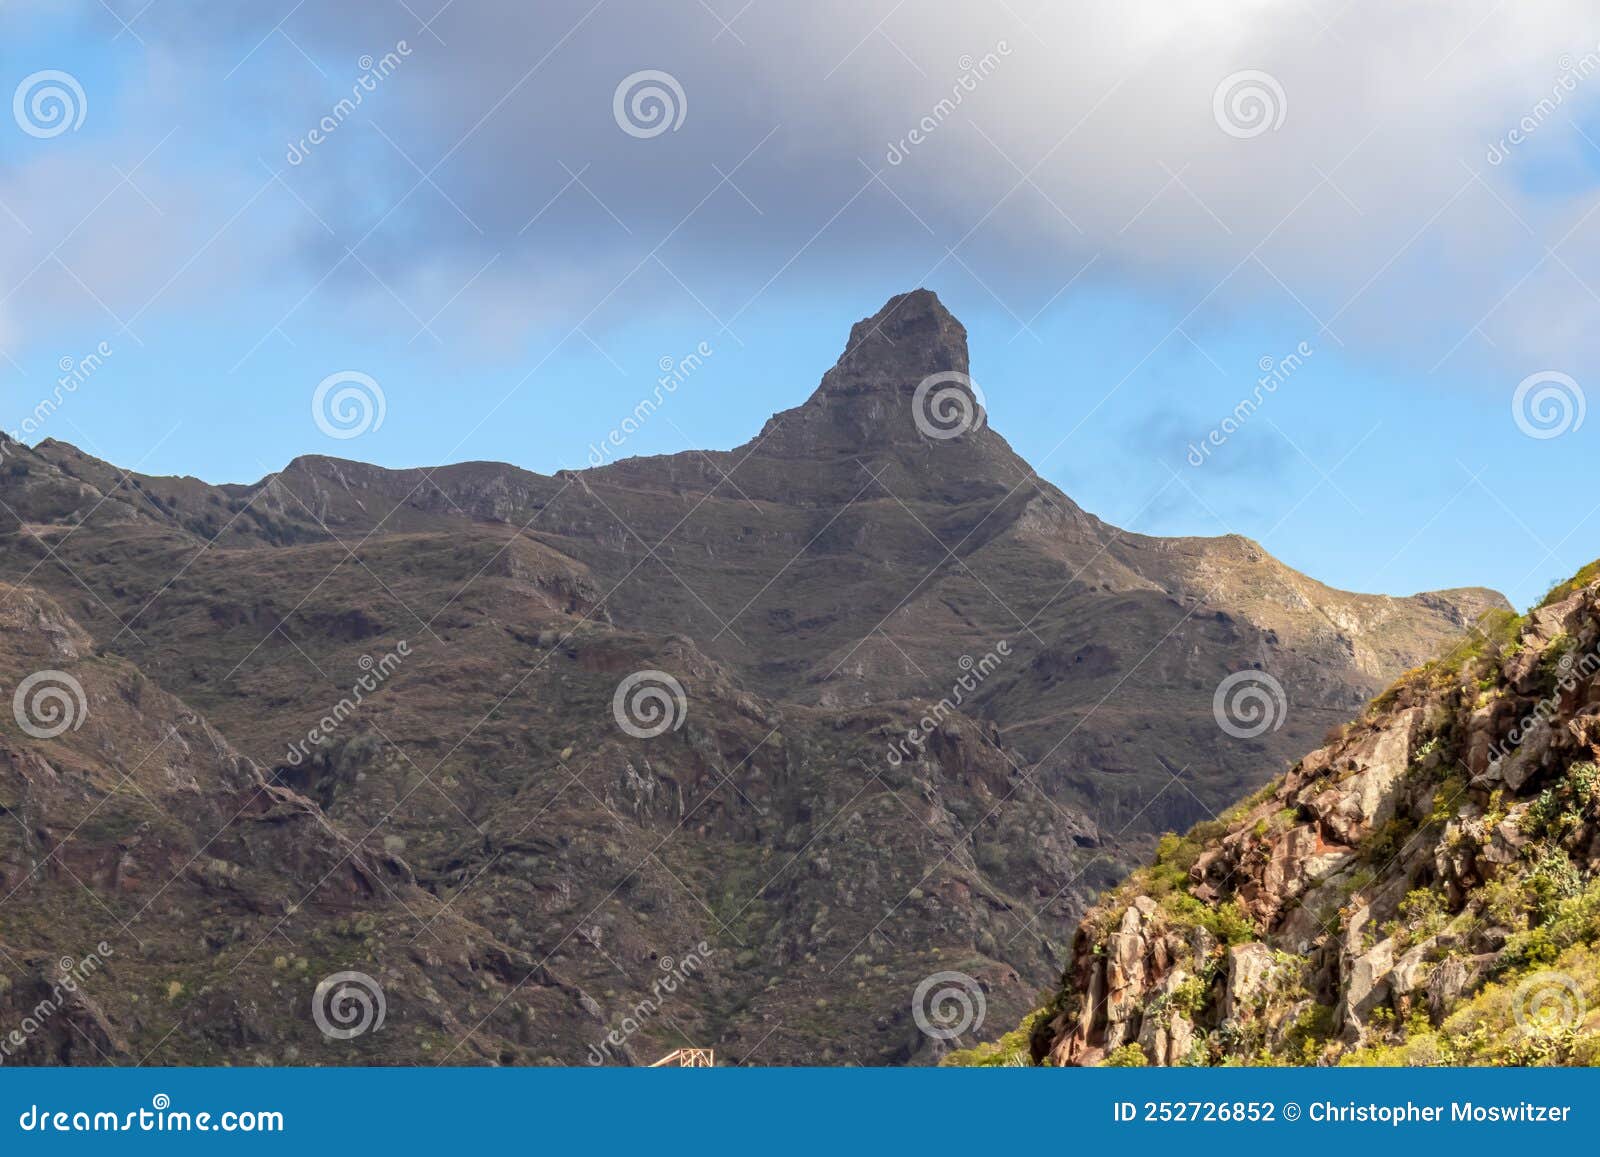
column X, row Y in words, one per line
column 1421, row 890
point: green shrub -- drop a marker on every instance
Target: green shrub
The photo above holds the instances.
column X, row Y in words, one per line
column 1383, row 844
column 1582, row 579
column 1189, row 997
column 1010, row 1051
column 1126, row 1057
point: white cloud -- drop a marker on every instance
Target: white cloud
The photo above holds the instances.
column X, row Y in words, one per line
column 1372, row 204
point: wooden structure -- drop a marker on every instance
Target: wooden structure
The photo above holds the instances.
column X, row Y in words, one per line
column 688, row 1059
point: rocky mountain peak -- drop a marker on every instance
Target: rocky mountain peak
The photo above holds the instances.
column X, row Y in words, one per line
column 901, row 382
column 911, row 337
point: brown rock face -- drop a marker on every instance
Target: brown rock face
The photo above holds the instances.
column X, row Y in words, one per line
column 911, row 672
column 866, row 401
column 1446, row 838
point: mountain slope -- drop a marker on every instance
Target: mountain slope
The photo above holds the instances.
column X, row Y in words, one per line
column 846, row 557
column 162, row 899
column 1421, row 891
column 911, row 672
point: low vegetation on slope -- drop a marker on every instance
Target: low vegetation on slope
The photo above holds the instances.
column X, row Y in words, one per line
column 1421, row 890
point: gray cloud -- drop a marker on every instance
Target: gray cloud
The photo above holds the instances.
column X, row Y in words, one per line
column 1079, row 132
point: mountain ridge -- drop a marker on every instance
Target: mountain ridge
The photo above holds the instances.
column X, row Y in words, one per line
column 813, row 617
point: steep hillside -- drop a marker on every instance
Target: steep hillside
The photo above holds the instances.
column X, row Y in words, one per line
column 843, row 557
column 902, row 673
column 162, row 900
column 520, row 903
column 1422, row 890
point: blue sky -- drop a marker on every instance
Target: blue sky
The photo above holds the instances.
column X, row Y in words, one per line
column 1123, row 263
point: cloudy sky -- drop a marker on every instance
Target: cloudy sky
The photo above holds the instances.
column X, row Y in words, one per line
column 1133, row 206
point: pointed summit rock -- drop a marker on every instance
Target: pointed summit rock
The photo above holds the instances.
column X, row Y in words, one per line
column 901, row 382
column 911, row 337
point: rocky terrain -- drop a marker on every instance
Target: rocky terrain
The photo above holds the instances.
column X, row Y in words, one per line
column 918, row 710
column 1420, row 890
